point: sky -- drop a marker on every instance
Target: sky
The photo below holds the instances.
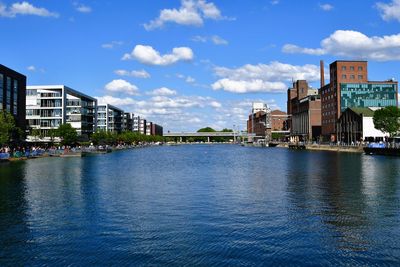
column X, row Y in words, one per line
column 188, row 64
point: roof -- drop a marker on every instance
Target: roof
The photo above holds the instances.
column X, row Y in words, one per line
column 366, row 112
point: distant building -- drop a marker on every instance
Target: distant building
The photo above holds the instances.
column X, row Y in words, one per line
column 136, row 122
column 157, row 130
column 349, row 88
column 149, row 127
column 127, row 122
column 49, row 106
column 109, row 118
column 12, row 94
column 304, row 108
column 142, row 126
column 356, row 125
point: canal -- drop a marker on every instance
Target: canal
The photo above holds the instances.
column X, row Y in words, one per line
column 201, row 205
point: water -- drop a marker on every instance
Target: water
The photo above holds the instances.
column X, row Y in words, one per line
column 201, row 205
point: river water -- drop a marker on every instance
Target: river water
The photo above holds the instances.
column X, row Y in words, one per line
column 201, row 205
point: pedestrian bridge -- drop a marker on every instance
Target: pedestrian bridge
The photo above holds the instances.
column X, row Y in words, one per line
column 204, row 134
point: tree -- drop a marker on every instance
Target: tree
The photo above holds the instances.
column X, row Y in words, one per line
column 206, row 130
column 225, row 130
column 36, row 133
column 7, row 127
column 68, row 134
column 387, row 120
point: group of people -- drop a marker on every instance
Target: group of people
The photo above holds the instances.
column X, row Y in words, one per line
column 20, row 151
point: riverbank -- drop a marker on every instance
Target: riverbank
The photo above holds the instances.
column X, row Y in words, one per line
column 320, row 147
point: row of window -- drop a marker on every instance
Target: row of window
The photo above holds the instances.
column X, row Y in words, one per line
column 360, row 68
column 352, row 77
column 10, row 94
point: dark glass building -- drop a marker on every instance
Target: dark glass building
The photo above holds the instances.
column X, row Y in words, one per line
column 12, row 94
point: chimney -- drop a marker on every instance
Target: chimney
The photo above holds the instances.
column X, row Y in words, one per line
column 321, row 64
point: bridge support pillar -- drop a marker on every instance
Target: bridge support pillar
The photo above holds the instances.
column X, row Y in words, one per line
column 208, row 139
column 180, row 139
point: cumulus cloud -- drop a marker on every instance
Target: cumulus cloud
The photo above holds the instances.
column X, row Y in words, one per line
column 31, row 68
column 163, row 91
column 148, row 55
column 353, row 44
column 326, row 7
column 112, row 44
column 115, row 101
column 133, row 73
column 190, row 13
column 82, row 8
column 262, row 77
column 389, row 11
column 187, row 79
column 25, row 8
column 215, row 39
column 121, row 86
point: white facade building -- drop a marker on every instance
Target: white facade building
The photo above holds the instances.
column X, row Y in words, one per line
column 49, row 106
column 109, row 118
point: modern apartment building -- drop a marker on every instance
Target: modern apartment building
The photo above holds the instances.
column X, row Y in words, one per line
column 157, row 129
column 109, row 118
column 142, row 126
column 49, row 106
column 127, row 122
column 136, row 122
column 149, row 127
column 349, row 88
column 12, row 94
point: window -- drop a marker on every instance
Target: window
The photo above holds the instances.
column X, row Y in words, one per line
column 352, row 68
column 344, row 76
column 8, row 94
column 360, row 77
column 352, row 77
column 343, row 67
column 360, row 68
column 15, row 98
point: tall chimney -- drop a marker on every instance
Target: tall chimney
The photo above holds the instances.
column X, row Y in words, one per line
column 321, row 64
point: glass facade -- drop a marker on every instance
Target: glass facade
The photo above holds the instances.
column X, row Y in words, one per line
column 15, row 98
column 1, row 90
column 367, row 95
column 8, row 94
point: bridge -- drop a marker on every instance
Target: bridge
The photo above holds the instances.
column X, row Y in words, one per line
column 235, row 134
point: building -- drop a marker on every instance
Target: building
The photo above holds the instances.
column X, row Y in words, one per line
column 304, row 108
column 142, row 126
column 49, row 106
column 109, row 118
column 127, row 122
column 157, row 130
column 357, row 125
column 149, row 127
column 136, row 122
column 12, row 94
column 349, row 88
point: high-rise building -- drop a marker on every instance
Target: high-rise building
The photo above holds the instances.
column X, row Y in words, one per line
column 109, row 118
column 127, row 122
column 12, row 94
column 49, row 106
column 136, row 122
column 349, row 88
column 149, row 127
column 142, row 126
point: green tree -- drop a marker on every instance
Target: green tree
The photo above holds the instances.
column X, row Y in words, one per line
column 68, row 134
column 387, row 120
column 225, row 130
column 206, row 130
column 7, row 127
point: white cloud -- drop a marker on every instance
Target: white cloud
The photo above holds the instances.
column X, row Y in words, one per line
column 115, row 101
column 112, row 44
column 389, row 11
column 326, row 7
column 25, row 8
column 215, row 39
column 163, row 91
column 274, row 2
column 121, row 86
column 263, row 77
column 190, row 79
column 31, row 68
column 134, row 73
column 148, row 55
column 355, row 45
column 82, row 8
column 215, row 104
column 190, row 13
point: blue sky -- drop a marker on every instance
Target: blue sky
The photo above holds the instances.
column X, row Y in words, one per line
column 194, row 63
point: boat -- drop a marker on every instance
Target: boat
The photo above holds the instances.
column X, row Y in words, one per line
column 381, row 149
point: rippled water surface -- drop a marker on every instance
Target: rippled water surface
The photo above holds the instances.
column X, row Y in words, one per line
column 201, row 205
